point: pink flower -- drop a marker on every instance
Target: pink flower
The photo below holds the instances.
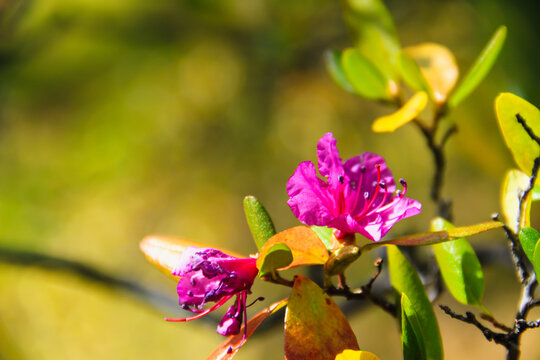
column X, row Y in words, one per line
column 209, row 275
column 357, row 196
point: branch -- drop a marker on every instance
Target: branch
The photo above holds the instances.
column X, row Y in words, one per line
column 529, row 131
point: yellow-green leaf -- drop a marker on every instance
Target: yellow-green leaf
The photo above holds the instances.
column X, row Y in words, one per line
column 408, row 112
column 515, row 183
column 438, row 66
column 459, row 265
column 412, row 337
column 530, row 242
column 333, row 65
column 305, row 245
column 259, row 221
column 523, row 148
column 411, row 73
column 480, row 68
column 278, row 256
column 365, row 78
column 315, row 327
column 356, row 355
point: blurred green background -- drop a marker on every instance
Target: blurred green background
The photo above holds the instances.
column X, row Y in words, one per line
column 120, row 119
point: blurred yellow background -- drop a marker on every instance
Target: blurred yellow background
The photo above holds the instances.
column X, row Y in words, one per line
column 119, row 119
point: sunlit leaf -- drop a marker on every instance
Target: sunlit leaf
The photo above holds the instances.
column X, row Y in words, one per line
column 411, row 73
column 438, row 66
column 530, row 242
column 230, row 347
column 412, row 338
column 536, row 193
column 356, row 355
column 315, row 327
column 259, row 221
column 325, row 234
column 460, row 268
column 408, row 112
column 523, row 148
column 163, row 252
column 333, row 65
column 365, row 78
column 480, row 68
column 405, row 280
column 515, row 183
column 436, row 237
column 304, row 243
column 278, row 256
column 374, row 33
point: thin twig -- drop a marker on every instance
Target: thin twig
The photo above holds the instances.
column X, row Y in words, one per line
column 529, row 131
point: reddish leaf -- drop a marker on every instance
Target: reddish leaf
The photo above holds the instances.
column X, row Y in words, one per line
column 315, row 327
column 233, row 342
column 304, row 243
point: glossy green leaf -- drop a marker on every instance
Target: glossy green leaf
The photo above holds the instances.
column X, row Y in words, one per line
column 530, row 242
column 412, row 338
column 356, row 355
column 407, row 113
column 536, row 193
column 325, row 234
column 259, row 221
column 278, row 256
column 333, row 65
column 315, row 327
column 459, row 265
column 405, row 280
column 411, row 73
column 480, row 68
column 374, row 33
column 515, row 183
column 523, row 148
column 364, row 77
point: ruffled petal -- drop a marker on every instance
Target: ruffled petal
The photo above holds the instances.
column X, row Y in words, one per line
column 330, row 165
column 309, row 197
column 232, row 320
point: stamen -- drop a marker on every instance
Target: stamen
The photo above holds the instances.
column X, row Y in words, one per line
column 202, row 313
column 244, row 335
column 260, row 298
column 341, row 179
column 404, row 184
column 368, row 205
column 356, row 186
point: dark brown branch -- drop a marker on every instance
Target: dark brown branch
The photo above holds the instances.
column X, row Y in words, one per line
column 529, row 131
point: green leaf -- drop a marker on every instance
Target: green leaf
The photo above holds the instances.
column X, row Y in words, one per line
column 530, row 241
column 480, row 68
column 536, row 193
column 412, row 338
column 374, row 33
column 365, row 78
column 411, row 73
column 259, row 221
column 407, row 113
column 459, row 265
column 333, row 65
column 405, row 280
column 325, row 234
column 278, row 256
column 315, row 327
column 523, row 148
column 515, row 183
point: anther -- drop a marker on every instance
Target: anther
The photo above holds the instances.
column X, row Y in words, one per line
column 341, row 179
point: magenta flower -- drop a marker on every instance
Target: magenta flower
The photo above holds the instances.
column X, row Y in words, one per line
column 357, row 196
column 209, row 275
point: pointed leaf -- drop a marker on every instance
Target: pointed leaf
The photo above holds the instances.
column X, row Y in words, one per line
column 523, row 148
column 530, row 242
column 408, row 112
column 163, row 252
column 459, row 265
column 365, row 78
column 304, row 243
column 405, row 280
column 480, row 68
column 325, row 234
column 536, row 258
column 438, row 66
column 278, row 256
column 412, row 338
column 411, row 73
column 374, row 33
column 233, row 342
column 315, row 327
column 259, row 221
column 356, row 355
column 515, row 183
column 333, row 65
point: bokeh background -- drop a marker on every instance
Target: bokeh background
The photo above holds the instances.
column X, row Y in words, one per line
column 124, row 118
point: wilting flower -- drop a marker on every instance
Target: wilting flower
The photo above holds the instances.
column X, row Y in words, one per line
column 209, row 275
column 357, row 196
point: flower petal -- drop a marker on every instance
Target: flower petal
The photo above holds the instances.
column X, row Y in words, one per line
column 402, row 208
column 330, row 165
column 310, row 200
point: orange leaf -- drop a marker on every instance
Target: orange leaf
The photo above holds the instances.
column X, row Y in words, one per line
column 315, row 327
column 304, row 243
column 220, row 353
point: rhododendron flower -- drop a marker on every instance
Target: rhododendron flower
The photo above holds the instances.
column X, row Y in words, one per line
column 358, row 196
column 209, row 275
